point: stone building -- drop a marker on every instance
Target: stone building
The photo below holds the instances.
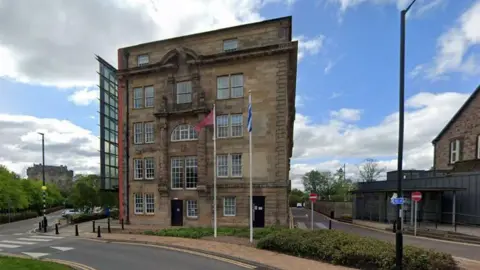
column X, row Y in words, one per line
column 58, row 175
column 457, row 146
column 169, row 86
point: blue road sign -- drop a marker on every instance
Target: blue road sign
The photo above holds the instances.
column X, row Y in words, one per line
column 397, row 201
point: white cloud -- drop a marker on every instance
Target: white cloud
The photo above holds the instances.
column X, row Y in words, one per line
column 346, row 114
column 84, row 97
column 65, row 143
column 58, row 41
column 454, row 45
column 427, row 113
column 309, row 46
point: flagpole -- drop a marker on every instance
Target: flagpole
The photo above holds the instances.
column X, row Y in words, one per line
column 214, row 172
column 250, row 166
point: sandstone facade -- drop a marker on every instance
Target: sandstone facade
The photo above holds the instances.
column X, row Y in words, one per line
column 264, row 64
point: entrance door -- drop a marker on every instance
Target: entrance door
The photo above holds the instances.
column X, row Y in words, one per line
column 177, row 212
column 258, row 211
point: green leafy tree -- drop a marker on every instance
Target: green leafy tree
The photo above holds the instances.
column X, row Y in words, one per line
column 296, row 196
column 12, row 195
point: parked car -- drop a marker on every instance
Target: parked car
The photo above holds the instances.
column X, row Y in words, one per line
column 299, row 205
column 70, row 212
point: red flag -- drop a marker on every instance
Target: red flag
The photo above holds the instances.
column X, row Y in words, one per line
column 207, row 121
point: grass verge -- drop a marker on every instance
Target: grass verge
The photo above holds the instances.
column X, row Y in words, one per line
column 11, row 263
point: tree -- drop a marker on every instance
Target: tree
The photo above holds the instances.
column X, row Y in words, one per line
column 86, row 194
column 296, row 196
column 321, row 183
column 370, row 170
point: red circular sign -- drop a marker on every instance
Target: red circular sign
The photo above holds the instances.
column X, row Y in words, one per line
column 416, row 196
column 313, row 197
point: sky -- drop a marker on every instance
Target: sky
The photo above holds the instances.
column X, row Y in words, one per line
column 347, row 80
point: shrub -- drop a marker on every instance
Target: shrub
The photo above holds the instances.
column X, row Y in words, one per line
column 351, row 250
column 12, row 217
column 199, row 232
column 86, row 217
column 114, row 214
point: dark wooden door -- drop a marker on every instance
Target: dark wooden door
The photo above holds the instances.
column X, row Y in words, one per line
column 258, row 211
column 177, row 212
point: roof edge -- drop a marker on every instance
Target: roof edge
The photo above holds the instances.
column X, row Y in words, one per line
column 285, row 18
column 457, row 114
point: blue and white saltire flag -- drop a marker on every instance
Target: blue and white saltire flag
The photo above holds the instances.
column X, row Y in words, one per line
column 249, row 121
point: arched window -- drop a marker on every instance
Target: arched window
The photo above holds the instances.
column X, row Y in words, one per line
column 184, row 133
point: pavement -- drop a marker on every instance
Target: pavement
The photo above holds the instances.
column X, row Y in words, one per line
column 302, row 219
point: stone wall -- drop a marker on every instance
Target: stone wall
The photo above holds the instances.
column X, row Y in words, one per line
column 58, row 175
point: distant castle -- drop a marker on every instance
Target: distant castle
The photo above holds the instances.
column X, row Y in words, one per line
column 58, row 175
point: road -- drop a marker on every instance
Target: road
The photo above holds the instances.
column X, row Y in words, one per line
column 468, row 251
column 27, row 225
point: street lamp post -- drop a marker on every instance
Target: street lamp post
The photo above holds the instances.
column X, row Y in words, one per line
column 44, row 187
column 401, row 126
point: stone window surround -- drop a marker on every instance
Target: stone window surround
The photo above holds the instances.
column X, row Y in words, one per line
column 230, row 87
column 172, row 135
column 229, row 125
column 143, row 133
column 231, row 40
column 143, row 98
column 234, row 206
column 187, row 207
column 184, row 172
column 145, row 56
column 229, row 165
column 143, row 199
column 144, row 169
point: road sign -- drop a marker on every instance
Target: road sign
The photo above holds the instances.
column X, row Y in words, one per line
column 313, row 197
column 416, row 196
column 397, row 201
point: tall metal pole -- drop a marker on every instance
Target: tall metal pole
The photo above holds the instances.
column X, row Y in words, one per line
column 401, row 125
column 44, row 187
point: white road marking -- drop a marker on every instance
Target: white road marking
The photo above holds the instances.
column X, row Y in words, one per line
column 33, row 239
column 8, row 246
column 35, row 254
column 301, row 225
column 18, row 234
column 18, row 242
column 46, row 237
column 63, row 248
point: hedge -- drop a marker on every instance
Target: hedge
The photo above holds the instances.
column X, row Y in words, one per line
column 18, row 216
column 199, row 232
column 351, row 250
column 86, row 217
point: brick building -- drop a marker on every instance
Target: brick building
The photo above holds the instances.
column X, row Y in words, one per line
column 166, row 87
column 457, row 146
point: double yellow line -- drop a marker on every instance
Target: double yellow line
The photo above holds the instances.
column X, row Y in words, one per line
column 75, row 265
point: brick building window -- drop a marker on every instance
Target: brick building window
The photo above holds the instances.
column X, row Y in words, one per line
column 138, row 207
column 229, row 125
column 478, row 146
column 192, row 209
column 229, row 165
column 144, row 203
column 149, row 132
column 184, row 92
column 142, row 60
column 149, row 96
column 184, row 133
column 455, row 151
column 230, row 86
column 229, row 206
column 184, row 172
column 137, row 98
column 143, row 168
column 230, row 45
column 137, row 133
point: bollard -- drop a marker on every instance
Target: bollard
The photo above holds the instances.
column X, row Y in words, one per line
column 93, row 225
column 123, row 227
column 45, row 225
column 395, row 226
column 108, row 223
column 76, row 229
column 455, row 226
column 56, row 229
column 98, row 232
column 39, row 226
column 330, row 224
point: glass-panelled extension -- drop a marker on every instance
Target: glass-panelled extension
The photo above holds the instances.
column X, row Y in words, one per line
column 108, row 125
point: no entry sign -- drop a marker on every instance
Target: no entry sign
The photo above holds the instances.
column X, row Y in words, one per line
column 416, row 196
column 313, row 197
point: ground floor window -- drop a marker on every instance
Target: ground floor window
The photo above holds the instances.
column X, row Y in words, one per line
column 229, row 206
column 192, row 209
column 144, row 203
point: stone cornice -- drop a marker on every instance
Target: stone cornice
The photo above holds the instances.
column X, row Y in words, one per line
column 214, row 58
